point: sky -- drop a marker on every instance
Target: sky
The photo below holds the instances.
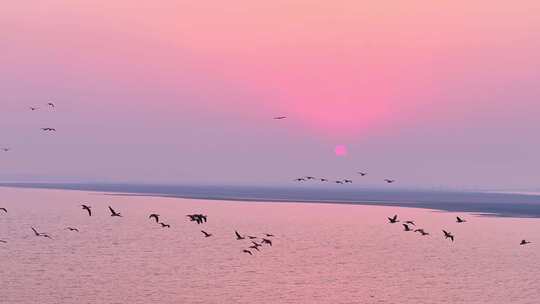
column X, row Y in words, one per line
column 434, row 94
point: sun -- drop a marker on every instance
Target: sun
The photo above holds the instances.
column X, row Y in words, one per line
column 340, row 150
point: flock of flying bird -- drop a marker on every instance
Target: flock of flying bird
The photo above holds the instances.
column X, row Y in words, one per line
column 200, row 218
column 197, row 218
column 339, row 181
column 447, row 235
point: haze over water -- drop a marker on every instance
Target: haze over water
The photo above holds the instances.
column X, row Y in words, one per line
column 322, row 253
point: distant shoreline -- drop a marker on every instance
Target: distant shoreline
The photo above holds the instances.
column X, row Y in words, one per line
column 523, row 205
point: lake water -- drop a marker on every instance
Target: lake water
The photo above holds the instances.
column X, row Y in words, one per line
column 321, row 253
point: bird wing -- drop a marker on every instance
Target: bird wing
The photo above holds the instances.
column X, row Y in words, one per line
column 112, row 210
column 237, row 234
column 35, row 231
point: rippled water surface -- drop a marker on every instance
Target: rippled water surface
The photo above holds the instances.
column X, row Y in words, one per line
column 321, row 253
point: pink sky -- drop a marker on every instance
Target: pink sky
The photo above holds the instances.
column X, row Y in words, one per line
column 445, row 86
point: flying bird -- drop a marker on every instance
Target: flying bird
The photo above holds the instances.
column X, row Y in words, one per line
column 389, row 181
column 33, row 108
column 406, row 227
column 155, row 216
column 254, row 247
column 393, row 220
column 339, row 182
column 280, row 117
column 247, row 251
column 256, row 244
column 362, row 173
column 50, row 104
column 300, row 180
column 460, row 220
column 269, row 234
column 6, row 149
column 267, row 241
column 49, row 129
column 87, row 208
column 3, row 209
column 410, row 223
column 72, row 229
column 114, row 213
column 524, row 242
column 448, row 235
column 238, row 236
column 206, row 234
column 40, row 233
column 422, row 232
column 347, row 181
column 163, row 225
column 251, row 237
column 323, row 180
column 310, row 177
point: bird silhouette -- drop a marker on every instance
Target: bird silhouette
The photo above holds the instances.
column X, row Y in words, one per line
column 33, row 108
column 114, row 213
column 323, row 180
column 49, row 129
column 247, row 251
column 72, row 229
column 524, row 242
column 299, row 179
column 393, row 220
column 199, row 218
column 410, row 223
column 406, row 227
column 50, row 104
column 6, row 149
column 206, row 234
column 155, row 216
column 280, row 117
column 362, row 173
column 238, row 236
column 339, row 182
column 422, row 232
column 254, row 247
column 266, row 241
column 460, row 220
column 87, row 208
column 36, row 233
column 163, row 225
column 256, row 244
column 448, row 235
column 269, row 234
column 310, row 177
column 3, row 209
column 389, row 181
column 251, row 237
column 347, row 181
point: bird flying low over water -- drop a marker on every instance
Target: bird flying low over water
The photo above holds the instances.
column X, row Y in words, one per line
column 347, row 181
column 33, row 108
column 114, row 213
column 49, row 129
column 155, row 216
column 72, row 229
column 247, row 251
column 323, row 180
column 280, row 117
column 269, row 234
column 393, row 220
column 163, row 225
column 310, row 177
column 524, row 242
column 267, row 241
column 299, row 179
column 422, row 232
column 406, row 227
column 410, row 223
column 362, row 173
column 254, row 247
column 87, row 208
column 389, row 181
column 238, row 236
column 3, row 209
column 36, row 233
column 199, row 218
column 339, row 182
column 448, row 235
column 206, row 234
column 50, row 104
column 460, row 220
